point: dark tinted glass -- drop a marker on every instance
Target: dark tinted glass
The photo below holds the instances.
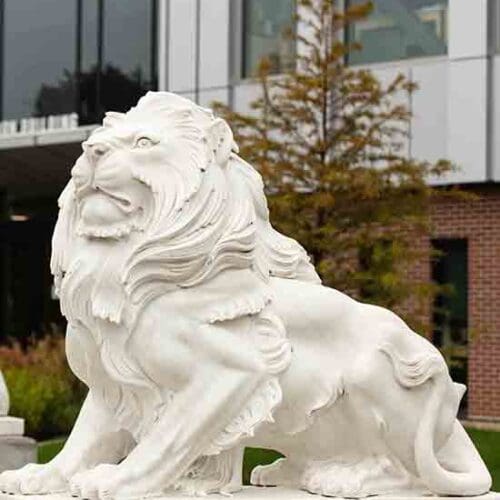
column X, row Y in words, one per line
column 89, row 39
column 127, row 69
column 265, row 23
column 401, row 29
column 117, row 55
column 450, row 311
column 88, row 77
column 39, row 57
column 450, row 308
column 86, row 56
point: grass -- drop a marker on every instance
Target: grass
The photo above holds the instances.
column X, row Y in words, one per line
column 49, row 449
column 257, row 456
column 487, row 442
column 488, row 445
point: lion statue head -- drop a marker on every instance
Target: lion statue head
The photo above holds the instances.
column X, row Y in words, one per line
column 164, row 182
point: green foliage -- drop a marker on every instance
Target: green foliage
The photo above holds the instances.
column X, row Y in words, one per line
column 331, row 143
column 42, row 388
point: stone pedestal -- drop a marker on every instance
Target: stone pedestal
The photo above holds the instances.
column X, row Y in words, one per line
column 11, row 426
column 16, row 450
column 254, row 493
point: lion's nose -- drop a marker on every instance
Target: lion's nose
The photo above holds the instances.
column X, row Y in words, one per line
column 96, row 150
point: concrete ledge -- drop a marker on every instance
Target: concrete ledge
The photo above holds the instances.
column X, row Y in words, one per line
column 11, row 426
column 482, row 424
column 253, row 493
column 46, row 137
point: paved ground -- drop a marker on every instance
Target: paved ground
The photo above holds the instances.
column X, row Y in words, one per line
column 479, row 424
column 252, row 493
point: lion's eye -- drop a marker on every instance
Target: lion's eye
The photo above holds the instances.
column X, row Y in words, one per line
column 143, row 142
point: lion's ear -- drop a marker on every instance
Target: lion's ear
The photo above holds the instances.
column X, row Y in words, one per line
column 112, row 118
column 221, row 140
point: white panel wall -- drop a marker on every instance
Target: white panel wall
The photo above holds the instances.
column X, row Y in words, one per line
column 182, row 45
column 206, row 98
column 386, row 75
column 467, row 21
column 429, row 105
column 450, row 109
column 495, row 132
column 467, row 119
column 244, row 94
column 214, row 43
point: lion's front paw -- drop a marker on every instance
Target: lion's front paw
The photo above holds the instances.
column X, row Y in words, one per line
column 97, row 483
column 33, row 479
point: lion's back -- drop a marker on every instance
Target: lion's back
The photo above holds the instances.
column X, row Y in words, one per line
column 311, row 307
column 312, row 311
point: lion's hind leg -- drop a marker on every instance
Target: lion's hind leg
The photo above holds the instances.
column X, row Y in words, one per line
column 375, row 475
column 282, row 472
column 220, row 473
column 430, row 393
column 335, row 478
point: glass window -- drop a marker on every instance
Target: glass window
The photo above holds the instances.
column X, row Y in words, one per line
column 89, row 44
column 88, row 101
column 450, row 309
column 123, row 68
column 264, row 26
column 450, row 314
column 87, row 56
column 128, row 61
column 400, row 29
column 39, row 58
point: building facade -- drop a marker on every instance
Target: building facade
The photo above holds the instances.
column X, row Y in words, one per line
column 63, row 62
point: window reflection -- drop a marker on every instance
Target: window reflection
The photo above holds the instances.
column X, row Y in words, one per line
column 89, row 39
column 88, row 101
column 128, row 38
column 401, row 29
column 264, row 25
column 86, row 56
column 450, row 308
column 39, row 57
column 128, row 66
column 121, row 70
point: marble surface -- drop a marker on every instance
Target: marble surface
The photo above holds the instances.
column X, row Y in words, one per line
column 254, row 493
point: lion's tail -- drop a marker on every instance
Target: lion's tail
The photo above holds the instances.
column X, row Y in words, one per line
column 474, row 479
column 470, row 476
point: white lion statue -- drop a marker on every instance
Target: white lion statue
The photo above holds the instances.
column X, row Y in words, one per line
column 200, row 330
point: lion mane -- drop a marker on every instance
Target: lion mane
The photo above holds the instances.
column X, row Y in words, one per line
column 207, row 214
column 209, row 211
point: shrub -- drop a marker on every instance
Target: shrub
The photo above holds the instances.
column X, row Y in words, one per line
column 42, row 388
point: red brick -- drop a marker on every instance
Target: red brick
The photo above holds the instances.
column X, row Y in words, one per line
column 478, row 221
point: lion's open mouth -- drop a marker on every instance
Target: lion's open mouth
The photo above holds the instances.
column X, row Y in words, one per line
column 121, row 201
column 106, row 214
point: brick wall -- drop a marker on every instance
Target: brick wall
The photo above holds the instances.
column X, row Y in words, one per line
column 478, row 221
